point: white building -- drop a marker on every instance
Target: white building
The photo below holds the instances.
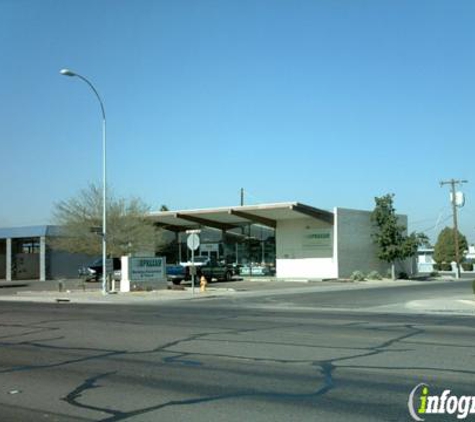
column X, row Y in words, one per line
column 310, row 243
column 288, row 240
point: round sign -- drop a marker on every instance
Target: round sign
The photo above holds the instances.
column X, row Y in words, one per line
column 193, row 241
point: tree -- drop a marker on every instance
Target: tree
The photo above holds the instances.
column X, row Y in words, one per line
column 444, row 251
column 390, row 236
column 128, row 229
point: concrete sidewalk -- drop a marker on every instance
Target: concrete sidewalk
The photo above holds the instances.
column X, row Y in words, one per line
column 75, row 291
column 96, row 296
column 79, row 289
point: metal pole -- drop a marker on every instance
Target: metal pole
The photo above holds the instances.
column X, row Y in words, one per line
column 193, row 269
column 178, row 242
column 249, row 251
column 104, row 212
column 456, row 232
column 67, row 72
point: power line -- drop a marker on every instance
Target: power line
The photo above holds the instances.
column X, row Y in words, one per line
column 439, row 216
column 436, row 225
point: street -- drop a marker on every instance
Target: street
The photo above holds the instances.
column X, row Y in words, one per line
column 292, row 356
column 353, row 298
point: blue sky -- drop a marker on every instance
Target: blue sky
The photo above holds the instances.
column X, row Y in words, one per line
column 329, row 103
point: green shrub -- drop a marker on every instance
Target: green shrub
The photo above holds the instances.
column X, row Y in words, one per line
column 403, row 276
column 467, row 266
column 357, row 276
column 374, row 275
column 443, row 266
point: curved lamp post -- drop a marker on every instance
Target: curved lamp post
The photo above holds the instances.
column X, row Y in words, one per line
column 67, row 72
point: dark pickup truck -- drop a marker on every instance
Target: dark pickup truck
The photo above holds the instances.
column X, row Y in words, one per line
column 93, row 271
column 210, row 269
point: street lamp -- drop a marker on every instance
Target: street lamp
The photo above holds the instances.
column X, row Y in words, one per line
column 67, row 72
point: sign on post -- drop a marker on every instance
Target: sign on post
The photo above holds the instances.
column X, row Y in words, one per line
column 193, row 242
column 143, row 273
column 147, row 269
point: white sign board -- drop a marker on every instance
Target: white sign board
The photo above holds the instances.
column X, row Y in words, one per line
column 147, row 269
column 193, row 241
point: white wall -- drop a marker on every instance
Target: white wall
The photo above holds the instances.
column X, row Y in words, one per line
column 356, row 249
column 303, row 250
column 306, row 268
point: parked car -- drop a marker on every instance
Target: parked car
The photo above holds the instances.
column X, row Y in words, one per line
column 216, row 269
column 93, row 271
column 209, row 268
column 177, row 273
column 197, row 262
column 254, row 270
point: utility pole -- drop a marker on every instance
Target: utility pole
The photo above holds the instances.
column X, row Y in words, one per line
column 452, row 183
column 242, row 197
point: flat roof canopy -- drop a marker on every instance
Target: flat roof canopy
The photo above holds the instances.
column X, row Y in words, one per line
column 29, row 232
column 226, row 218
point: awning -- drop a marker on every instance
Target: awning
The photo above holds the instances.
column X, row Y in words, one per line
column 29, row 232
column 227, row 218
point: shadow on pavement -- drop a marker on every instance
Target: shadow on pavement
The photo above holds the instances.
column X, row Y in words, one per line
column 7, row 284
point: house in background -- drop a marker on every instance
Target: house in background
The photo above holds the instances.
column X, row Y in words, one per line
column 470, row 255
column 426, row 263
column 425, row 260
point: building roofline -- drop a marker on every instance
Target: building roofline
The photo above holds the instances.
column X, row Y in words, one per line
column 226, row 218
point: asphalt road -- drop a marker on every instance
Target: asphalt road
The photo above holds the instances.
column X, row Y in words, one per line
column 355, row 298
column 230, row 360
